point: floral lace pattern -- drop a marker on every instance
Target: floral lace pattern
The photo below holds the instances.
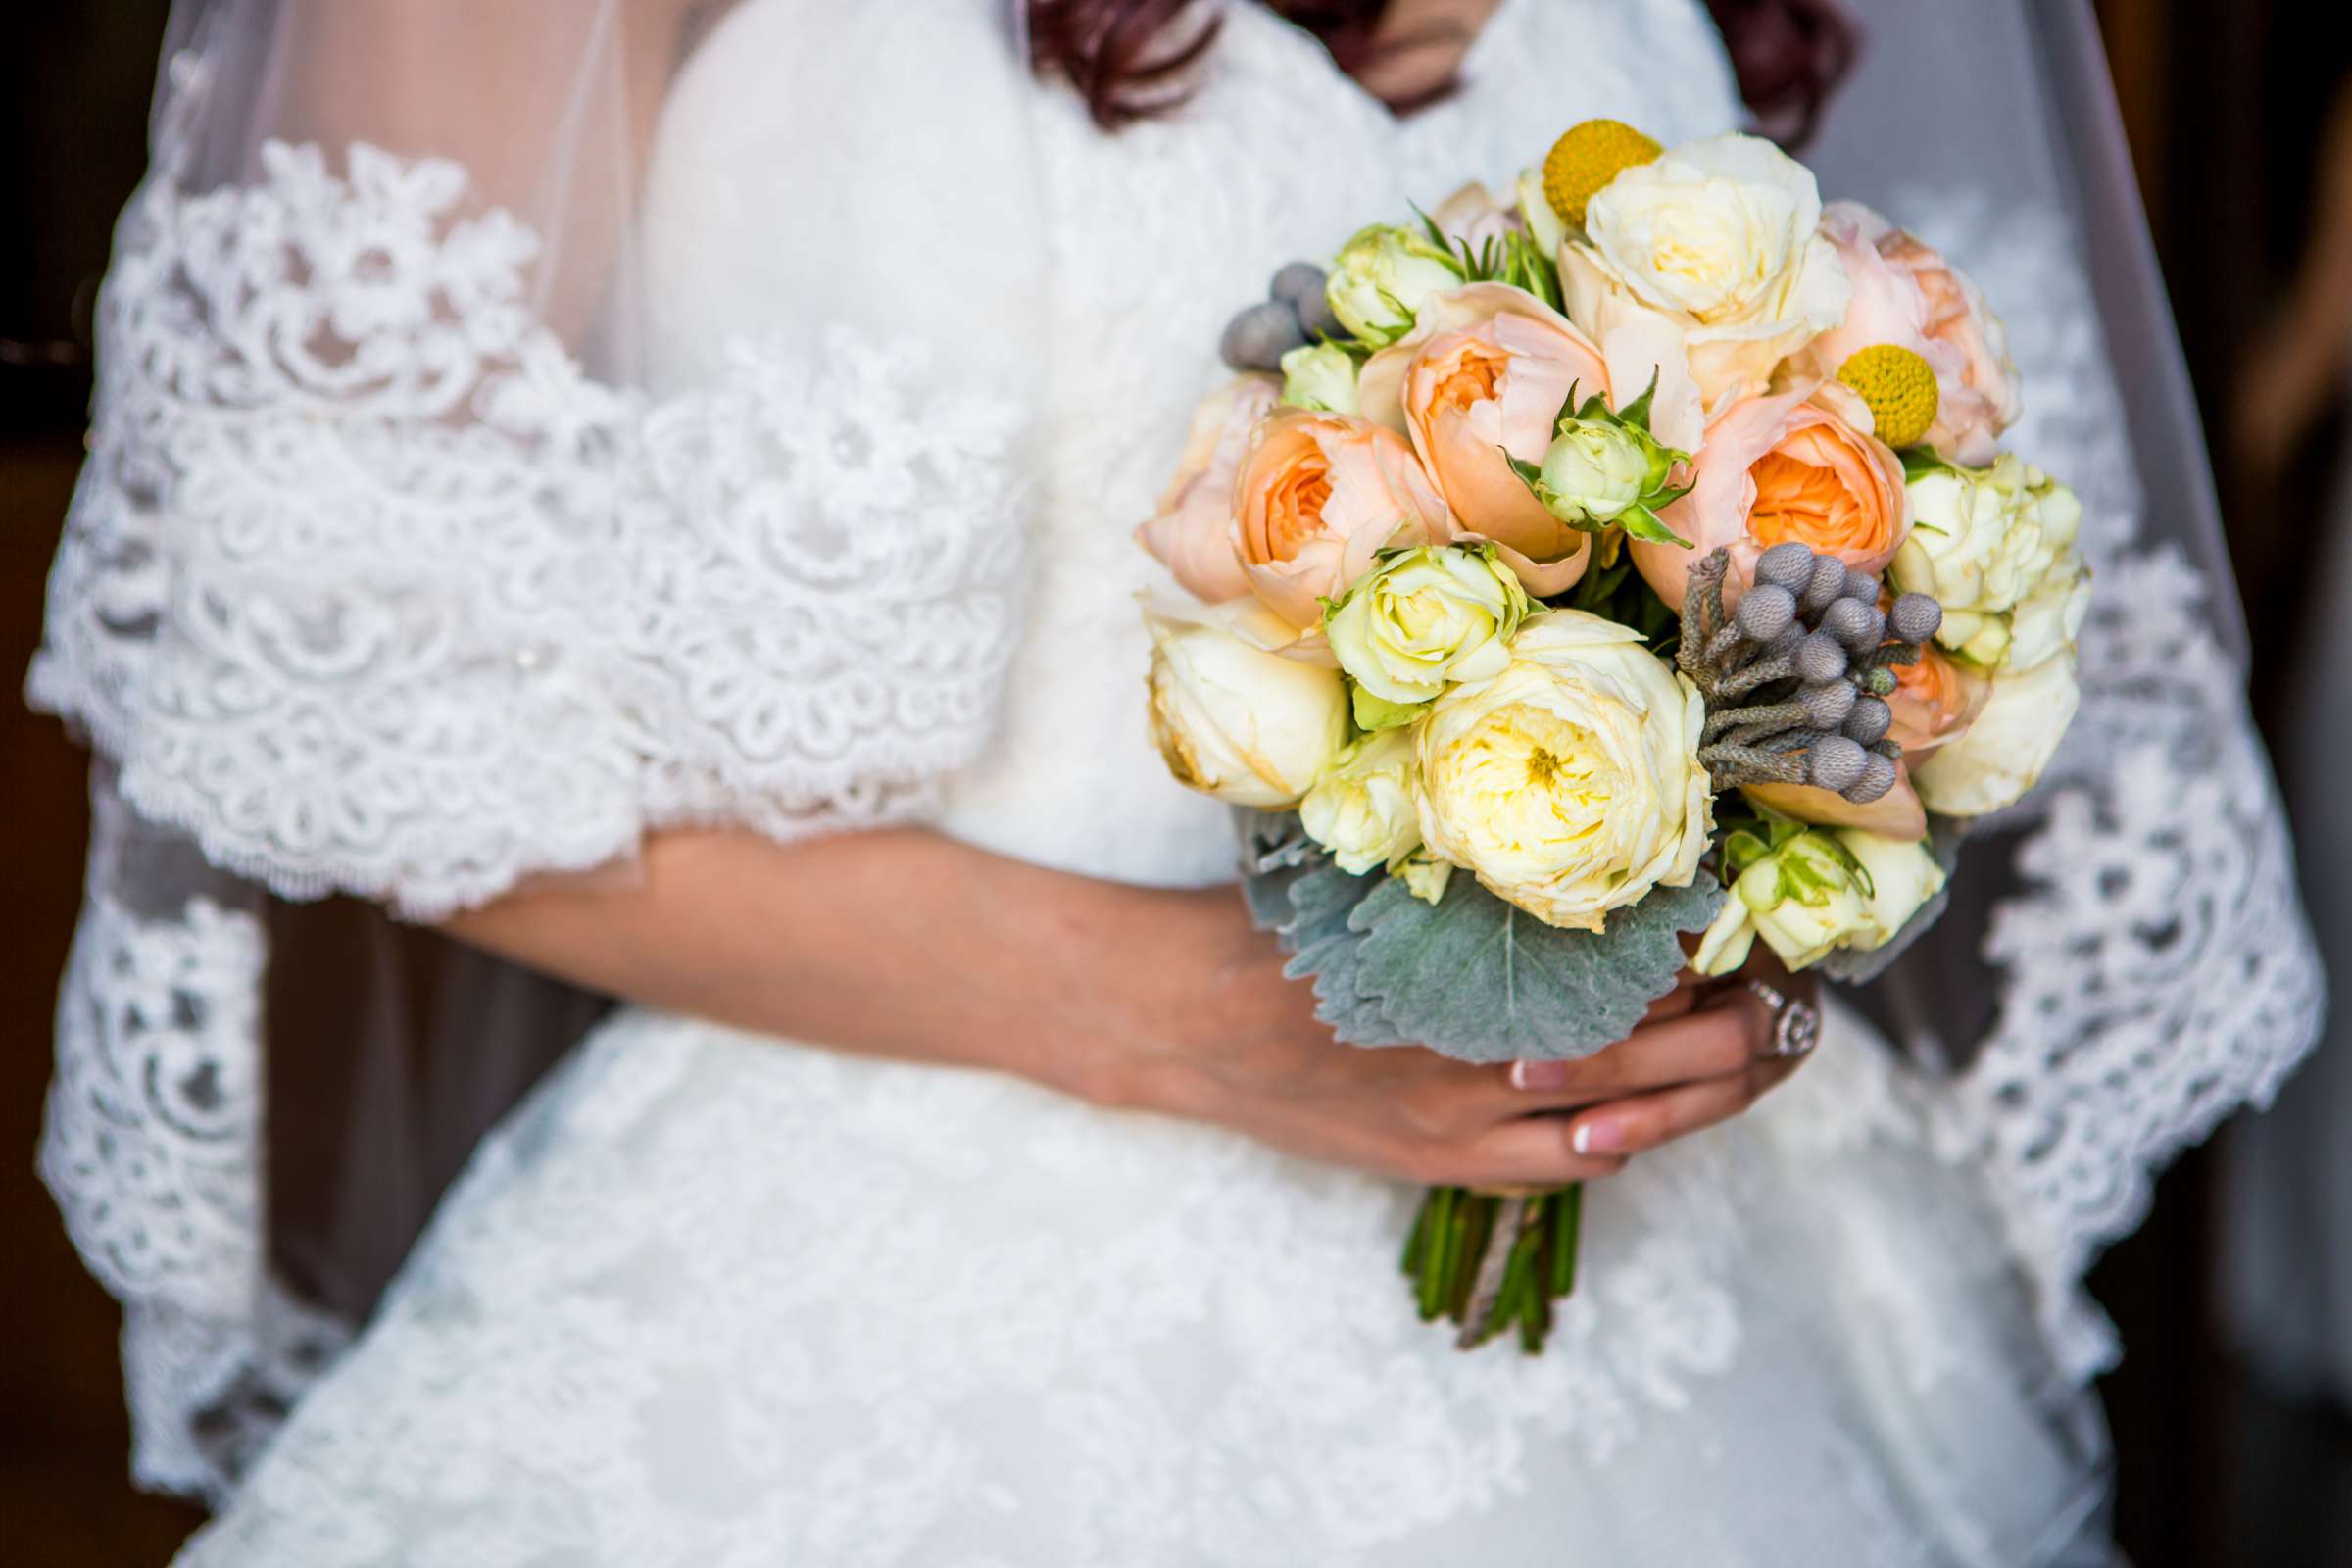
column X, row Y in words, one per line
column 371, row 589
column 2159, row 974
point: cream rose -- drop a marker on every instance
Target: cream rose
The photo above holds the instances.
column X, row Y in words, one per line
column 1801, row 465
column 2002, row 755
column 1721, row 239
column 1903, row 876
column 1193, row 537
column 1802, row 894
column 1427, row 618
column 1320, row 495
column 1997, row 547
column 1907, row 295
column 1569, row 784
column 1237, row 722
column 1362, row 808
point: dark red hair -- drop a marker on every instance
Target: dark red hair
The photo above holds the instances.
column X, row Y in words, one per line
column 1128, row 58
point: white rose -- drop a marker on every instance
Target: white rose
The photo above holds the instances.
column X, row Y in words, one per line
column 1805, row 896
column 1721, row 238
column 2002, row 755
column 1319, row 375
column 1569, row 784
column 1426, row 619
column 1997, row 545
column 1903, row 875
column 1361, row 810
column 1383, row 277
column 1237, row 722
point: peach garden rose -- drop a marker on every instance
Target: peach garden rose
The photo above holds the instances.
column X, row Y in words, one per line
column 1906, row 294
column 1482, row 374
column 1318, row 497
column 1193, row 534
column 1798, row 464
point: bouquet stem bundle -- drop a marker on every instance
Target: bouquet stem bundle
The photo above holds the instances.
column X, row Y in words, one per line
column 1494, row 1264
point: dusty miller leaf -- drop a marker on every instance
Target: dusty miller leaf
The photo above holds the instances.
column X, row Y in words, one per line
column 1480, row 980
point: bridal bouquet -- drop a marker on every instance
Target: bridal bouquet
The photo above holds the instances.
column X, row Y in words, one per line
column 1571, row 575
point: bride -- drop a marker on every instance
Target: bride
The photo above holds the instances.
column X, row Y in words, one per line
column 644, row 488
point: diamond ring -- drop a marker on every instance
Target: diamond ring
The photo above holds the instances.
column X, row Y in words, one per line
column 1795, row 1025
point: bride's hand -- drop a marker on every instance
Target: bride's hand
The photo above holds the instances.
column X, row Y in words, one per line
column 1703, row 1057
column 1221, row 1036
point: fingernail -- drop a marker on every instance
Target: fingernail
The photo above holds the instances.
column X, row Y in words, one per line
column 1596, row 1135
column 1539, row 1075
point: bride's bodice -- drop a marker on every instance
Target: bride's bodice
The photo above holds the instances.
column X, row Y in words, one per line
column 1154, row 236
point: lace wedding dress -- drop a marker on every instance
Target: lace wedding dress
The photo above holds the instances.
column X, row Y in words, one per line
column 457, row 602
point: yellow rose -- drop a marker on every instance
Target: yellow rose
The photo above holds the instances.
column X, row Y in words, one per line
column 1237, row 722
column 1569, row 784
column 1721, row 239
column 1361, row 810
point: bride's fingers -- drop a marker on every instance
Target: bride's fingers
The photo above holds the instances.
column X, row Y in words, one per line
column 1674, row 1004
column 1644, row 1121
column 1707, row 1042
column 1533, row 1154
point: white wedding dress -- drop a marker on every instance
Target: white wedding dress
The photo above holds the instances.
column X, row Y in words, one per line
column 712, row 1298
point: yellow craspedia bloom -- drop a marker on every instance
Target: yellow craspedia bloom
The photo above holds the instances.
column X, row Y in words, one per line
column 1899, row 388
column 1585, row 159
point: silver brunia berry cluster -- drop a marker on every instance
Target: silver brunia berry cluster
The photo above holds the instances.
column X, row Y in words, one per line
column 1797, row 678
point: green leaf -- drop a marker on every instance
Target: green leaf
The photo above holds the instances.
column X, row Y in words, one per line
column 1637, row 412
column 1481, row 980
column 1639, row 522
column 1921, row 461
column 1528, row 475
column 1374, row 714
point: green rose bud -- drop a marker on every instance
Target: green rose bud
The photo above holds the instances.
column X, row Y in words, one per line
column 1593, row 472
column 1320, row 376
column 1604, row 468
column 1382, row 279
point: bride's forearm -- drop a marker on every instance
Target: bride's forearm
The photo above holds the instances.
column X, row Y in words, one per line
column 900, row 944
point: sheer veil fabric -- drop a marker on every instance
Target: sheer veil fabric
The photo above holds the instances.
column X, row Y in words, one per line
column 434, row 538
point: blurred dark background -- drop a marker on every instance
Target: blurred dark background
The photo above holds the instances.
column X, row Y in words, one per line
column 2225, row 106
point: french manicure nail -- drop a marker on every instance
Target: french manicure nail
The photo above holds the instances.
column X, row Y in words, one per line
column 1595, row 1136
column 1539, row 1075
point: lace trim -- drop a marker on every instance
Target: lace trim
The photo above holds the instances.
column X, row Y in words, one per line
column 2158, row 969
column 370, row 587
column 152, row 1150
column 2160, row 973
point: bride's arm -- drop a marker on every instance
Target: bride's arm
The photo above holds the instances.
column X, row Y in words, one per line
column 907, row 944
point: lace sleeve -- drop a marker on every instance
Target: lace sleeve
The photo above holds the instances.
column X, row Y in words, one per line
column 518, row 427
column 379, row 580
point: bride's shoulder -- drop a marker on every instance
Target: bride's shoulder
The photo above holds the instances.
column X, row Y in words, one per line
column 822, row 150
column 868, row 60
